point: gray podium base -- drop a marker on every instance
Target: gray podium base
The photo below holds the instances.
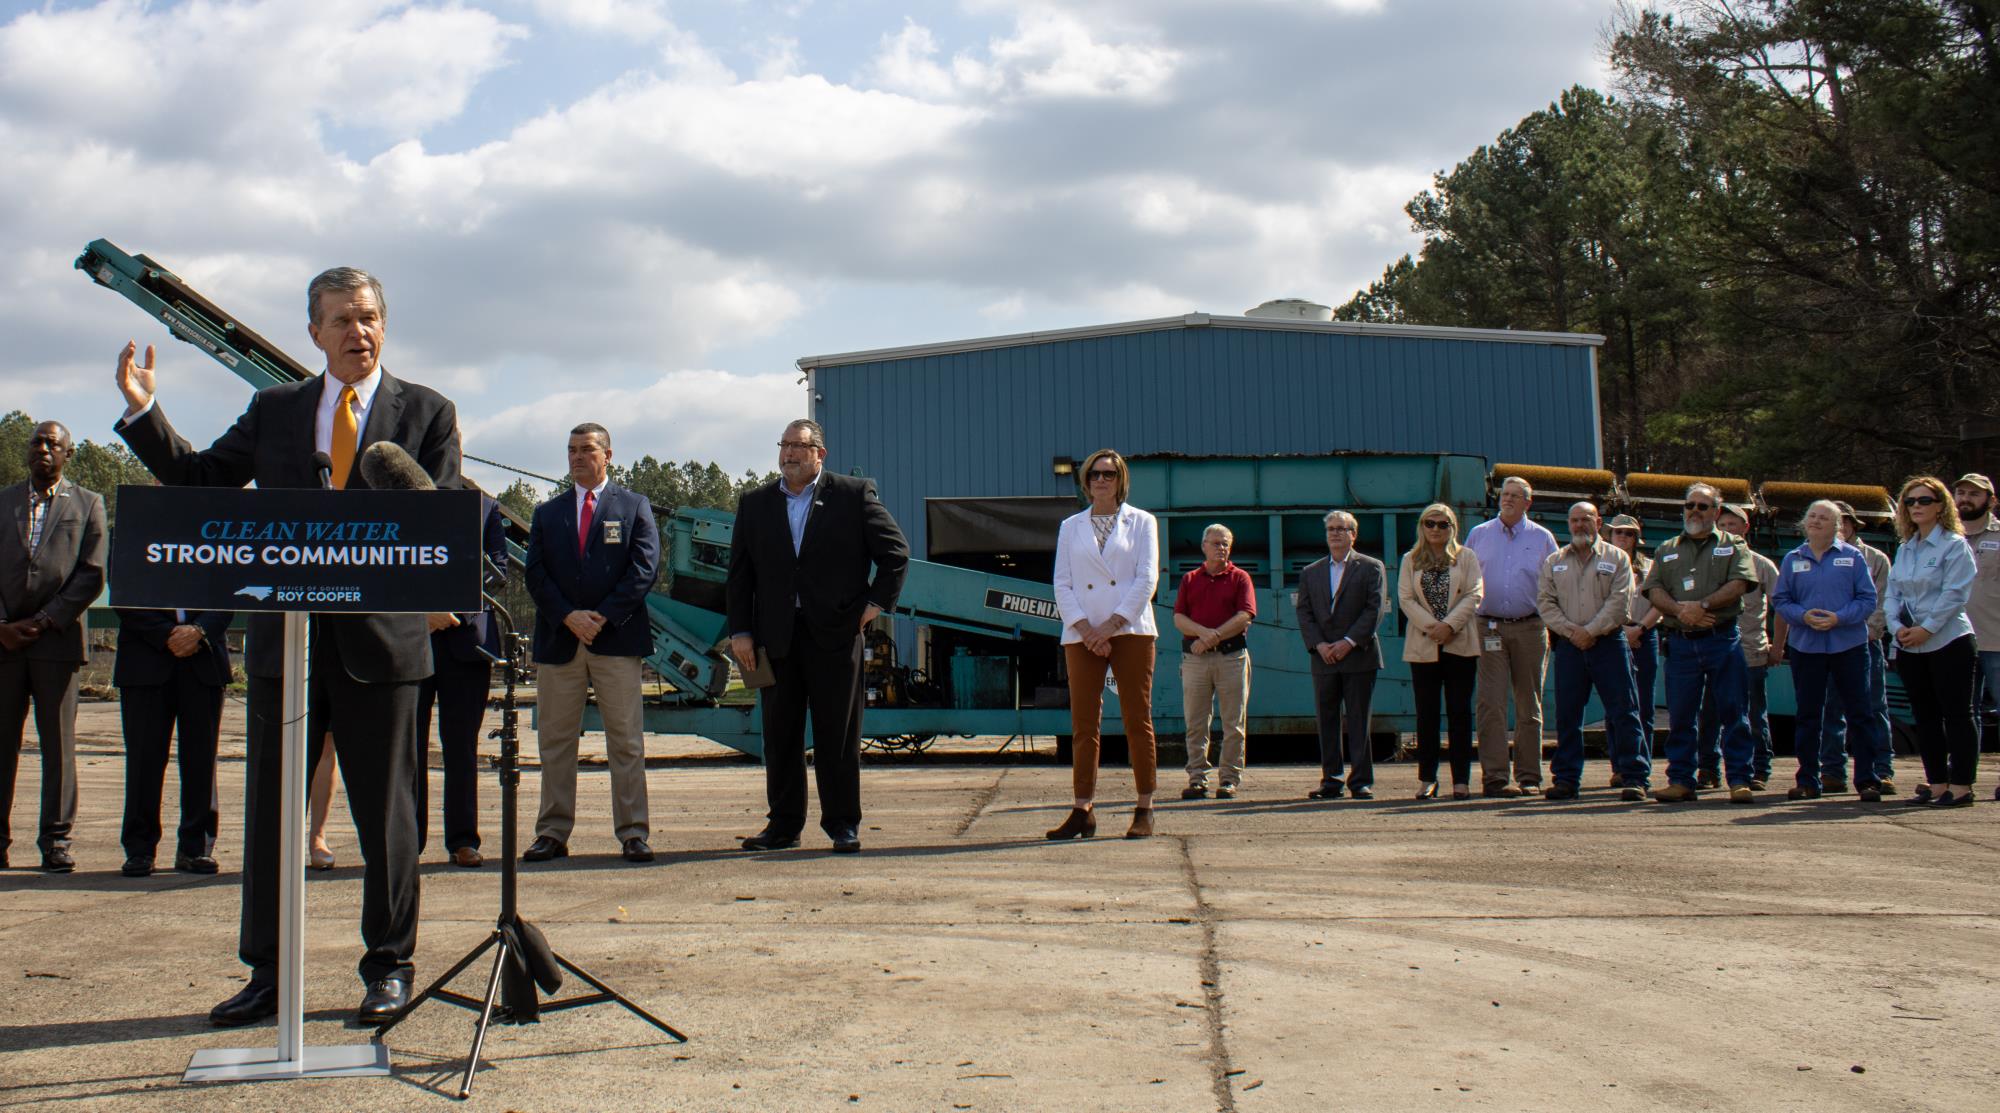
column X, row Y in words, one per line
column 252, row 1064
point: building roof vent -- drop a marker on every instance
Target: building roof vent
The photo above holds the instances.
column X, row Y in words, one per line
column 1292, row 309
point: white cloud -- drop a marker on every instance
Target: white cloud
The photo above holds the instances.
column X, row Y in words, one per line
column 637, row 19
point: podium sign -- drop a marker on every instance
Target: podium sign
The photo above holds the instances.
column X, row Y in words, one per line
column 243, row 549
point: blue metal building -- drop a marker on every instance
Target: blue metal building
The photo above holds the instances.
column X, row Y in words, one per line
column 992, row 416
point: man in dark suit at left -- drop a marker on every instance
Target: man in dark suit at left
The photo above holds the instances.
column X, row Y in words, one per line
column 51, row 568
column 1340, row 604
column 364, row 667
column 172, row 667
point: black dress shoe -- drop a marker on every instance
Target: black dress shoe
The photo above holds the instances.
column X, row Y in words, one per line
column 636, row 850
column 1327, row 790
column 137, row 866
column 1362, row 793
column 846, row 841
column 1952, row 799
column 384, row 999
column 252, row 1003
column 58, row 861
column 768, row 839
column 195, row 863
column 544, row 849
column 1560, row 791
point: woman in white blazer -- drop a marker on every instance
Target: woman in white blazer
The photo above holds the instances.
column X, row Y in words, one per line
column 1107, row 567
column 1439, row 588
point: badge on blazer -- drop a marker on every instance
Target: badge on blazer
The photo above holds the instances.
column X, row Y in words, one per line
column 614, row 531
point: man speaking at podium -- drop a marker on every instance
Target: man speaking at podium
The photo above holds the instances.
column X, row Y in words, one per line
column 365, row 667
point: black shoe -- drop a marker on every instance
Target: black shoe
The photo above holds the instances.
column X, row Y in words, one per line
column 767, row 839
column 545, row 848
column 1951, row 799
column 1560, row 791
column 1195, row 792
column 846, row 841
column 252, row 1003
column 1327, row 790
column 636, row 850
column 58, row 861
column 137, row 866
column 1226, row 792
column 195, row 863
column 1802, row 792
column 384, row 999
column 1869, row 794
column 1921, row 796
column 1362, row 793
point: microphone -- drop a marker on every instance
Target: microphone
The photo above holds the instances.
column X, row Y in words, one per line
column 323, row 466
column 386, row 467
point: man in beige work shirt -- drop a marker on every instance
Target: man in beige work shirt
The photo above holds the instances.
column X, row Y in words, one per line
column 1762, row 634
column 1584, row 595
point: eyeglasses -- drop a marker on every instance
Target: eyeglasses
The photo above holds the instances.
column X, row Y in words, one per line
column 1340, row 529
column 797, row 444
column 1697, row 506
column 1921, row 500
column 1111, row 475
column 1437, row 525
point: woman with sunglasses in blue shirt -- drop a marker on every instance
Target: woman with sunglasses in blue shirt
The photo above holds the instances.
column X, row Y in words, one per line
column 1929, row 584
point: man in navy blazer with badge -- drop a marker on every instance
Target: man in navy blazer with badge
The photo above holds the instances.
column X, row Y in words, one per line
column 814, row 558
column 1340, row 604
column 171, row 669
column 364, row 667
column 593, row 553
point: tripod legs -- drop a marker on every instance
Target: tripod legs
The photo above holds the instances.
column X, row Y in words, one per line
column 485, row 1017
column 606, row 993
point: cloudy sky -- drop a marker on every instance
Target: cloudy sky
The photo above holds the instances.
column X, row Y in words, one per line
column 641, row 212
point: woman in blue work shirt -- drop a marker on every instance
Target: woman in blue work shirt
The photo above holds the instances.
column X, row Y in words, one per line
column 1929, row 584
column 1825, row 595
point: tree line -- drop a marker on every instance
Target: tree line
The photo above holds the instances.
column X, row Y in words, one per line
column 1784, row 219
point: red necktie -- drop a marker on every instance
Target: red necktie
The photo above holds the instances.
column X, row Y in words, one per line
column 583, row 522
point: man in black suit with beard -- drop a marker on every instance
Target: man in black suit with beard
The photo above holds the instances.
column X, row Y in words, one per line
column 800, row 588
column 365, row 668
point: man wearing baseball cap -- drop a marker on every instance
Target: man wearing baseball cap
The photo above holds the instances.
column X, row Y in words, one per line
column 1973, row 493
column 1833, row 727
column 1761, row 633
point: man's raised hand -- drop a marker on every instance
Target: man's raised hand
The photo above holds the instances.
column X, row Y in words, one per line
column 135, row 379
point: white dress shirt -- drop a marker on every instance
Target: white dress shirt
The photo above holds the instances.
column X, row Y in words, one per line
column 329, row 396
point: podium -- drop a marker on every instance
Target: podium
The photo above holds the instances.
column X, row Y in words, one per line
column 297, row 552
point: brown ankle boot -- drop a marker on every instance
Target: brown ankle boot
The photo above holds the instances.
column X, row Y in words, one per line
column 1081, row 824
column 1142, row 824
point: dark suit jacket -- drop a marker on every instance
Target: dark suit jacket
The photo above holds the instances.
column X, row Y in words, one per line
column 1353, row 615
column 272, row 444
column 61, row 578
column 611, row 579
column 476, row 629
column 143, row 657
column 852, row 555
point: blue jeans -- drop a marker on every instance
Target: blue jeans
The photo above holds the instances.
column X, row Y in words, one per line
column 1711, row 664
column 1833, row 738
column 1758, row 679
column 1989, row 675
column 1841, row 679
column 1645, row 671
column 1606, row 666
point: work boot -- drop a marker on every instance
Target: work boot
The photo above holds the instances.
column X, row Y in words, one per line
column 1675, row 794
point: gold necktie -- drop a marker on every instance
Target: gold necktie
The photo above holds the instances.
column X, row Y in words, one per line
column 346, row 430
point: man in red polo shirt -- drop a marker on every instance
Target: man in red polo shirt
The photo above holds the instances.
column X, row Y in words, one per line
column 1213, row 611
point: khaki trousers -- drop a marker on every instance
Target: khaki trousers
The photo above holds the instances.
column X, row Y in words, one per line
column 1132, row 663
column 561, row 691
column 1517, row 666
column 1207, row 679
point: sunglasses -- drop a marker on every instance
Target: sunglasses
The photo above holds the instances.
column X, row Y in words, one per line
column 1697, row 506
column 1111, row 475
column 1921, row 500
column 1437, row 525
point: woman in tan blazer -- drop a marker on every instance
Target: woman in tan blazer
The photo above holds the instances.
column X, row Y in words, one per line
column 1439, row 588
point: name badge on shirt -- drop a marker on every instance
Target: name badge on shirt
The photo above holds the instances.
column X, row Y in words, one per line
column 1492, row 645
column 1559, row 568
column 1687, row 584
column 1806, row 565
column 1669, row 556
column 1606, row 567
column 614, row 532
column 1725, row 550
column 1843, row 562
column 1989, row 546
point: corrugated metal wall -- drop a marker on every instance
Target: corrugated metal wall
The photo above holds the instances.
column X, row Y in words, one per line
column 988, row 422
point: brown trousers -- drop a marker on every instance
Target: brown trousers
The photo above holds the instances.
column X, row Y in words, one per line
column 1131, row 663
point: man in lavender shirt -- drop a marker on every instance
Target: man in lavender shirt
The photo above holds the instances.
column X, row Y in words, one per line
column 1513, row 642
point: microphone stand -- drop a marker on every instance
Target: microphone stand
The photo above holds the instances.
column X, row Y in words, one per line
column 518, row 941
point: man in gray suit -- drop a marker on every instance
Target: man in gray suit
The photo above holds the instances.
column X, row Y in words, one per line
column 51, row 568
column 1340, row 603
